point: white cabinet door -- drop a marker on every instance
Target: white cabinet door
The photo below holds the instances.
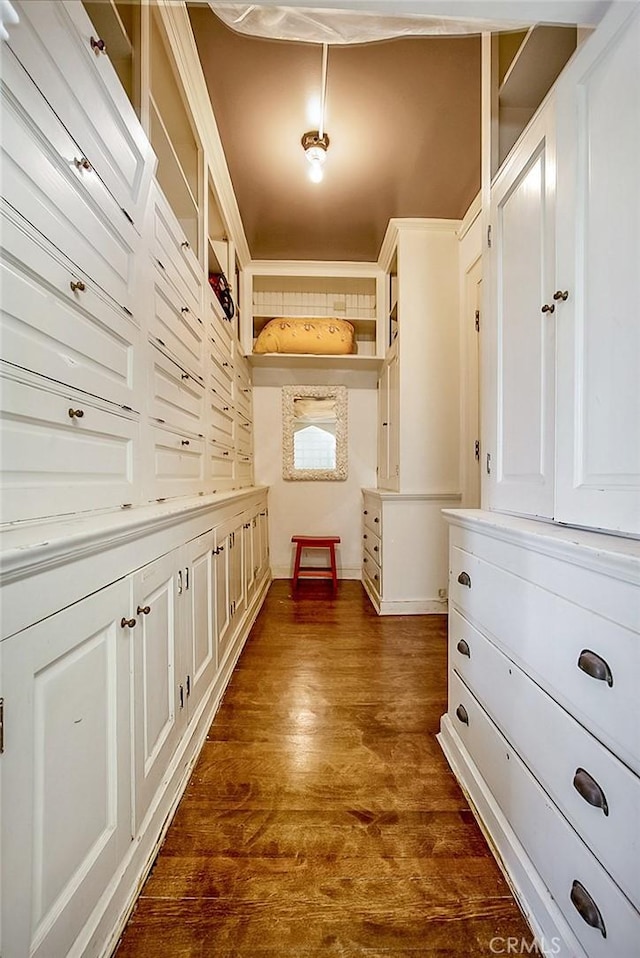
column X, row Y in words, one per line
column 65, row 771
column 158, row 710
column 388, row 422
column 598, row 265
column 522, row 264
column 197, row 623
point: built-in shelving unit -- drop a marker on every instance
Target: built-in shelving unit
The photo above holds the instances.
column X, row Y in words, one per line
column 174, row 138
column 527, row 64
column 117, row 24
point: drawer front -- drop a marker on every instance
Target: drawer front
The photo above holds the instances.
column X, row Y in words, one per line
column 69, row 205
column 221, row 380
column 221, row 466
column 372, row 572
column 548, row 636
column 220, row 350
column 80, row 338
column 53, row 41
column 244, row 470
column 372, row 545
column 220, row 328
column 175, row 258
column 244, row 437
column 54, row 463
column 177, row 398
column 530, row 720
column 176, row 328
column 243, row 400
column 558, row 854
column 223, row 423
column 372, row 514
column 178, row 463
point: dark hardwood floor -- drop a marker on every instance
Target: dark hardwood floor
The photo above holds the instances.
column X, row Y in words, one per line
column 322, row 818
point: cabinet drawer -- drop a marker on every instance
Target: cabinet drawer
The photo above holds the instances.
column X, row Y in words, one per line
column 243, row 399
column 244, row 470
column 177, row 398
column 244, row 437
column 63, row 201
column 178, row 463
column 80, row 338
column 530, row 720
column 175, row 257
column 372, row 545
column 221, row 465
column 372, row 514
column 176, row 328
column 221, row 380
column 220, row 349
column 372, row 571
column 558, row 854
column 223, row 424
column 55, row 463
column 53, row 41
column 549, row 636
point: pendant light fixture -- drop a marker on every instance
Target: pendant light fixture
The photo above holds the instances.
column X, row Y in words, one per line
column 315, row 143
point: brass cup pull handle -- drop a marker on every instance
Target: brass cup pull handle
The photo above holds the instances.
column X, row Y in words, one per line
column 462, row 715
column 586, row 907
column 98, row 46
column 127, row 623
column 463, row 648
column 595, row 666
column 77, row 285
column 586, row 786
column 76, row 413
column 143, row 609
column 548, row 308
column 562, row 294
column 465, row 579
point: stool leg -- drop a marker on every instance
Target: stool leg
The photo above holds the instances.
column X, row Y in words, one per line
column 334, row 571
column 296, row 567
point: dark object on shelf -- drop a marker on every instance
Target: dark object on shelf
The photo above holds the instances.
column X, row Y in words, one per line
column 221, row 288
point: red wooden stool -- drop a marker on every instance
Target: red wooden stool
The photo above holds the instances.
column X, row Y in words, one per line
column 313, row 572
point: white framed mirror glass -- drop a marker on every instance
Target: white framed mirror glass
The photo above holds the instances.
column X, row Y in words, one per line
column 314, row 437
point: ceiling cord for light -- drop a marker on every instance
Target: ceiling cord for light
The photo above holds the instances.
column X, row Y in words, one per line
column 316, row 142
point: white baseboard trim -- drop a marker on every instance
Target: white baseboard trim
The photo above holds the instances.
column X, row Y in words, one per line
column 285, row 572
column 551, row 931
column 102, row 932
column 413, row 606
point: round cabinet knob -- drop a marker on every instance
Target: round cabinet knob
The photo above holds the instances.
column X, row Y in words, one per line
column 561, row 294
column 184, row 442
column 184, row 309
column 76, row 413
column 77, row 285
column 83, row 163
column 127, row 623
column 98, row 46
column 548, row 308
column 143, row 609
column 184, row 244
column 184, row 376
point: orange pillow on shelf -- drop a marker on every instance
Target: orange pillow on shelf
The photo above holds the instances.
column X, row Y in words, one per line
column 322, row 335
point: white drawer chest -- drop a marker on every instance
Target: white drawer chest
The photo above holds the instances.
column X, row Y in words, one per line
column 543, row 725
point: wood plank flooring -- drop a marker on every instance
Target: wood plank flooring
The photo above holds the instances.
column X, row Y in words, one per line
column 322, row 818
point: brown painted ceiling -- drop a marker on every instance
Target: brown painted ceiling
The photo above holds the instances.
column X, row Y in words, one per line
column 403, row 118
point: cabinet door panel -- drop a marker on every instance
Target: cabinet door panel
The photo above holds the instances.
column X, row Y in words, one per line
column 598, row 265
column 158, row 719
column 177, row 328
column 63, row 201
column 522, row 262
column 178, row 462
column 177, row 398
column 53, row 41
column 78, row 338
column 200, row 646
column 66, row 771
column 221, row 573
column 56, row 464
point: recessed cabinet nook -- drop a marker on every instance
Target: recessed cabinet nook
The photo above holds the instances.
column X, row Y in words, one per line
column 138, row 533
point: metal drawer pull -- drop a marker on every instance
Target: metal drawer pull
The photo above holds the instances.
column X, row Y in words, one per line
column 143, row 609
column 595, row 666
column 548, row 308
column 586, row 786
column 184, row 244
column 465, row 579
column 462, row 715
column 184, row 442
column 76, row 413
column 98, row 46
column 82, row 163
column 377, row 519
column 586, row 907
column 79, row 286
column 127, row 623
column 561, row 294
column 463, row 648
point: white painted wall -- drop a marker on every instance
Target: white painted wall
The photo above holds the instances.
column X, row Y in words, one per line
column 315, row 508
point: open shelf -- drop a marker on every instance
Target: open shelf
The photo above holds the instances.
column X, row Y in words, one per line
column 118, row 24
column 309, row 361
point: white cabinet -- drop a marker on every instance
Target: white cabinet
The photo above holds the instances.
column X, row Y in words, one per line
column 522, row 260
column 563, row 344
column 598, row 252
column 544, row 646
column 389, row 421
column 66, row 771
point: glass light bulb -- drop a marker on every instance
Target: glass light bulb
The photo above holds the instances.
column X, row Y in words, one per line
column 315, row 172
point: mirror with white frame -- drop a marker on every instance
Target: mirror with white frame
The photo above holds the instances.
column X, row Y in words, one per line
column 314, row 432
